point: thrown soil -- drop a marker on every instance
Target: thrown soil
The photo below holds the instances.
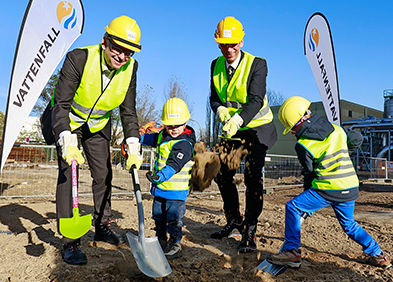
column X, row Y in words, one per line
column 31, row 245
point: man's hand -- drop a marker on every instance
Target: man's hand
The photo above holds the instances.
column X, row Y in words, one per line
column 134, row 156
column 69, row 149
column 231, row 127
column 152, row 178
column 223, row 114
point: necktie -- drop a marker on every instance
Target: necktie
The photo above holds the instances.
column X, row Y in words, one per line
column 231, row 71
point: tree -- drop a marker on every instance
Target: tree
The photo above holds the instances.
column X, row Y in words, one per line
column 275, row 98
column 146, row 106
column 176, row 88
column 212, row 127
column 46, row 94
column 145, row 110
column 2, row 116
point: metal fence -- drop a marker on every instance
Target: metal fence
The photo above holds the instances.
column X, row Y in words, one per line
column 31, row 171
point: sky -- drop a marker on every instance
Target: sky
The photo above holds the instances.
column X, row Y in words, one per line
column 177, row 39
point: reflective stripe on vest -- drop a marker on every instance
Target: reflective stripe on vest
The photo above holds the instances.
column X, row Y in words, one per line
column 234, row 95
column 333, row 166
column 181, row 179
column 92, row 104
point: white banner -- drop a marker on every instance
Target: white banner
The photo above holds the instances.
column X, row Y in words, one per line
column 318, row 48
column 48, row 30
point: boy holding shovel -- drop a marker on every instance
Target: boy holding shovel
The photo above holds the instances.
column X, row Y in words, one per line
column 172, row 174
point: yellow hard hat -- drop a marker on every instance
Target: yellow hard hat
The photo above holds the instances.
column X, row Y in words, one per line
column 175, row 112
column 229, row 31
column 291, row 111
column 125, row 32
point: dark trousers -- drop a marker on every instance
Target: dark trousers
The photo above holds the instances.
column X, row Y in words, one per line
column 254, row 162
column 97, row 151
column 168, row 215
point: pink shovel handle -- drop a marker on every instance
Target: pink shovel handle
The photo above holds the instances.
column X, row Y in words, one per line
column 74, row 185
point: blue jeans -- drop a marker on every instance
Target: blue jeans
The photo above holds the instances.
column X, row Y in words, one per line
column 309, row 201
column 168, row 215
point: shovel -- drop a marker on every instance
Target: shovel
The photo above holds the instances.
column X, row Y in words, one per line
column 147, row 252
column 229, row 138
column 275, row 269
column 76, row 226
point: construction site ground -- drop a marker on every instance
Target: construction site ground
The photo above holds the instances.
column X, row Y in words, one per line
column 31, row 246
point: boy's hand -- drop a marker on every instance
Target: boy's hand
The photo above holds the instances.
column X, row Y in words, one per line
column 152, row 178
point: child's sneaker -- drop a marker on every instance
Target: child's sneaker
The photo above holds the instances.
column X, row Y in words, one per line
column 173, row 251
column 380, row 261
column 291, row 258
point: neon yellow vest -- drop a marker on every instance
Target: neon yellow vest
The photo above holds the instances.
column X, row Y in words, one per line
column 234, row 95
column 333, row 166
column 92, row 104
column 181, row 179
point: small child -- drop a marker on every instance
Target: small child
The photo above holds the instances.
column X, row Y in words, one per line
column 172, row 174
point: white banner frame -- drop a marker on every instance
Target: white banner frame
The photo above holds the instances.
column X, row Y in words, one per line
column 318, row 48
column 48, row 30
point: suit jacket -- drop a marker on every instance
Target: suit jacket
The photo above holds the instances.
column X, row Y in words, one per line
column 70, row 76
column 256, row 91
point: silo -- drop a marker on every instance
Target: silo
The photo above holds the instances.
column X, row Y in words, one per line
column 388, row 104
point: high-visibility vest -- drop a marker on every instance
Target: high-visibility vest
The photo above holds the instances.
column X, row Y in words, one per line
column 234, row 95
column 91, row 103
column 333, row 166
column 181, row 179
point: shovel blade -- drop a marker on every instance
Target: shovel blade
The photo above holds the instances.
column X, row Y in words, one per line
column 76, row 226
column 272, row 268
column 151, row 261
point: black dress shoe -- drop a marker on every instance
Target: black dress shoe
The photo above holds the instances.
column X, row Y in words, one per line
column 72, row 254
column 106, row 234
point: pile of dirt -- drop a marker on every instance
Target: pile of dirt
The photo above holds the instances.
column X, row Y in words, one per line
column 31, row 245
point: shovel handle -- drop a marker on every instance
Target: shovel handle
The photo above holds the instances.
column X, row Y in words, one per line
column 135, row 178
column 74, row 184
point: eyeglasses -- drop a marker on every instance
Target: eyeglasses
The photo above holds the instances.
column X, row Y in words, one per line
column 228, row 45
column 119, row 50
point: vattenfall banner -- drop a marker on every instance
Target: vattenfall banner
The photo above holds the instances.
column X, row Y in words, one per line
column 318, row 48
column 49, row 28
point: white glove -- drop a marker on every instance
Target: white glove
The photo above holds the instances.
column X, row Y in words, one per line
column 231, row 127
column 133, row 151
column 223, row 114
column 69, row 148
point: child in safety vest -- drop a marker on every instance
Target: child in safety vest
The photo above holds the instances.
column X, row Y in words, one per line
column 329, row 180
column 172, row 174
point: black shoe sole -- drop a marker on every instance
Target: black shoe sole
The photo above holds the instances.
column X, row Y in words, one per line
column 75, row 262
column 175, row 256
column 113, row 242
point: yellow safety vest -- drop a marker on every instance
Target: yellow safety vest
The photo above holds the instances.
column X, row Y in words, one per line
column 91, row 103
column 333, row 166
column 181, row 179
column 234, row 95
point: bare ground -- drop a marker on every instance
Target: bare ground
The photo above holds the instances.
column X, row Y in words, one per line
column 31, row 245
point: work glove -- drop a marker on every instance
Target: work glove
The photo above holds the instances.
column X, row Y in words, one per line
column 163, row 175
column 134, row 156
column 152, row 178
column 69, row 149
column 231, row 127
column 223, row 114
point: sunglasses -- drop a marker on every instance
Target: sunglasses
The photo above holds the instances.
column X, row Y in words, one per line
column 228, row 45
column 117, row 49
column 174, row 126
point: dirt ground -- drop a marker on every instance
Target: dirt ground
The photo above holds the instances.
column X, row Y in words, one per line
column 30, row 244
